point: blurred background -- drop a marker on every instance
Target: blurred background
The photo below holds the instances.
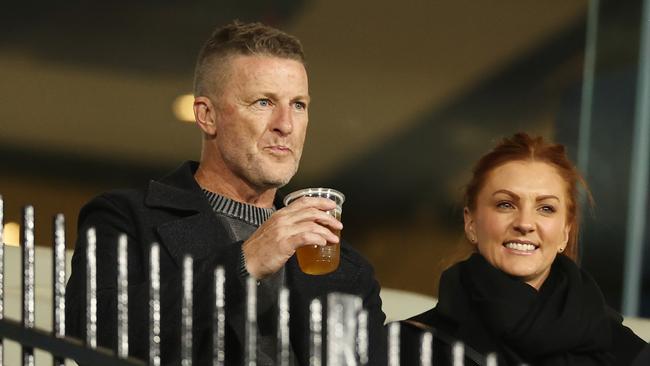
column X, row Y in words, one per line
column 406, row 96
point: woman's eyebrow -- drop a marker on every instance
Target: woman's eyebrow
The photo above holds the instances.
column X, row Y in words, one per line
column 506, row 192
column 548, row 196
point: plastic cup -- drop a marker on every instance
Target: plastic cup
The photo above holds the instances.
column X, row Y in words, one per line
column 314, row 259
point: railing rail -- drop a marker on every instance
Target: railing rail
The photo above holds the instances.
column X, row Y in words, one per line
column 65, row 347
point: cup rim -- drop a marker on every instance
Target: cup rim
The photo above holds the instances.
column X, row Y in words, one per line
column 305, row 191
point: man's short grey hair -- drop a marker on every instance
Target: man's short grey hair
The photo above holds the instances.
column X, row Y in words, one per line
column 237, row 38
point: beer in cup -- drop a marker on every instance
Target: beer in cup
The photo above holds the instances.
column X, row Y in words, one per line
column 314, row 259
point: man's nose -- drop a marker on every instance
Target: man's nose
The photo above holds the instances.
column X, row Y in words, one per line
column 524, row 222
column 282, row 122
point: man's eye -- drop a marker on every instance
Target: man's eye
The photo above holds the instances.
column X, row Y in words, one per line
column 300, row 105
column 263, row 102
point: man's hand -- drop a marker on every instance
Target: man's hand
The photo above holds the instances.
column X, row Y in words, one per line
column 304, row 222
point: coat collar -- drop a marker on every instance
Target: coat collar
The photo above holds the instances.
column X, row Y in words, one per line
column 178, row 190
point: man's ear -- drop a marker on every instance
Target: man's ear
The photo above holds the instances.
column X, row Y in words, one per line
column 205, row 115
column 470, row 230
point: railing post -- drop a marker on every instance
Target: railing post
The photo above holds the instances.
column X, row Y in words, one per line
column 186, row 311
column 283, row 328
column 458, row 354
column 342, row 328
column 316, row 331
column 219, row 318
column 58, row 283
column 91, row 289
column 393, row 344
column 2, row 275
column 362, row 337
column 491, row 359
column 251, row 322
column 426, row 348
column 28, row 278
column 122, row 298
column 154, row 305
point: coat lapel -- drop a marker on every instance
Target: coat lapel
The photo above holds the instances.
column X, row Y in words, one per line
column 196, row 235
column 195, row 231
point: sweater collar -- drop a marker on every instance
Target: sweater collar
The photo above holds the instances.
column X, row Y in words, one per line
column 248, row 213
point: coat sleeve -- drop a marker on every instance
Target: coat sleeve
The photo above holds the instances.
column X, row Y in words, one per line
column 377, row 341
column 109, row 219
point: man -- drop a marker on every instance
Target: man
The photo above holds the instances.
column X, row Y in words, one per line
column 251, row 104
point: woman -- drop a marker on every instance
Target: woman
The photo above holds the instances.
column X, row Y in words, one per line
column 521, row 293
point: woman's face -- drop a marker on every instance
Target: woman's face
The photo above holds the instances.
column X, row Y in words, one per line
column 519, row 223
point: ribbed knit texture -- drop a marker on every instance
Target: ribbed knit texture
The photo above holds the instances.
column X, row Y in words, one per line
column 251, row 214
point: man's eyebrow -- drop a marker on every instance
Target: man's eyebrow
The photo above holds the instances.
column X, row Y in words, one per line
column 275, row 96
column 270, row 94
column 304, row 98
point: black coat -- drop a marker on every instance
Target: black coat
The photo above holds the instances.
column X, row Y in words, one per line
column 175, row 213
column 458, row 316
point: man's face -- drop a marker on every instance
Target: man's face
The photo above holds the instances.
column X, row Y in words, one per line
column 261, row 119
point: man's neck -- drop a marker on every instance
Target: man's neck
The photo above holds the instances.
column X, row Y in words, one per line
column 234, row 188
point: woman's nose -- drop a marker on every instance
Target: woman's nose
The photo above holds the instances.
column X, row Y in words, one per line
column 524, row 223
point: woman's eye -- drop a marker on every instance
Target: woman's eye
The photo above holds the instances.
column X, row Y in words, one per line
column 547, row 209
column 504, row 204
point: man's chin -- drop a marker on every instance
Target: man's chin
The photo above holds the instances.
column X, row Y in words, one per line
column 272, row 175
column 270, row 184
column 275, row 180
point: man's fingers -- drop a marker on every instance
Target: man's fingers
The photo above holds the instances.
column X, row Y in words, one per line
column 291, row 217
column 330, row 222
column 315, row 202
column 309, row 233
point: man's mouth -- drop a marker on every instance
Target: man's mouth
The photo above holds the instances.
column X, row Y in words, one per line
column 521, row 246
column 279, row 149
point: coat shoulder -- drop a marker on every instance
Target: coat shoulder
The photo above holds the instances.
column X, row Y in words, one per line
column 626, row 344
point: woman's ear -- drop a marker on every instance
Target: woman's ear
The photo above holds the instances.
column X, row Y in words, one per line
column 470, row 230
column 205, row 115
column 567, row 231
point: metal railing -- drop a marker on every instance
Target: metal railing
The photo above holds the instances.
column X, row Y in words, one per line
column 347, row 338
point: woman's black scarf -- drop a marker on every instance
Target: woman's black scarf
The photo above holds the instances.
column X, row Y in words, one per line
column 564, row 323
